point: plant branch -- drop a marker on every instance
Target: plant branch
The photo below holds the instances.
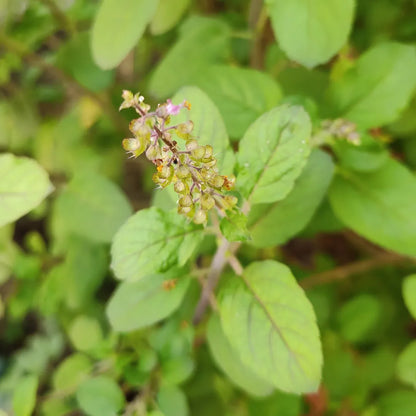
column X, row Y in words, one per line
column 257, row 22
column 37, row 61
column 358, row 267
column 219, row 261
column 235, row 265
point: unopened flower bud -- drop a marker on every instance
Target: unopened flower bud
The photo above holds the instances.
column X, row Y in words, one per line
column 207, row 202
column 229, row 182
column 184, row 129
column 231, row 200
column 165, row 171
column 200, row 217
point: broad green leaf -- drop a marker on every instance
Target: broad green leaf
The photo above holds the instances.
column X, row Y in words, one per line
column 273, row 224
column 229, row 362
column 271, row 325
column 152, row 241
column 406, row 365
column 379, row 205
column 172, row 401
column 72, row 371
column 75, row 58
column 358, row 318
column 409, row 293
column 168, row 13
column 397, row 403
column 202, row 41
column 209, row 127
column 118, row 26
column 279, row 404
column 85, row 333
column 24, row 396
column 311, row 32
column 91, row 206
column 272, row 154
column 376, row 89
column 242, row 95
column 100, row 396
column 24, row 184
column 135, row 305
column 234, row 227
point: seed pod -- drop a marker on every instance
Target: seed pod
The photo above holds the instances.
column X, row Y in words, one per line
column 208, row 152
column 191, row 145
column 198, row 153
column 185, row 201
column 207, row 202
column 134, row 146
column 153, row 153
column 184, row 129
column 200, row 217
column 217, row 181
column 180, row 187
column 231, row 200
column 165, row 171
column 182, row 172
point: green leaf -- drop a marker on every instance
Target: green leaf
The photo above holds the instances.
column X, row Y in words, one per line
column 24, row 396
column 234, row 227
column 72, row 371
column 273, row 224
column 172, row 401
column 270, row 323
column 229, row 362
column 153, row 241
column 242, row 95
column 75, row 58
column 24, row 184
column 91, row 206
column 135, row 305
column 85, row 333
column 203, row 41
column 118, row 26
column 311, row 32
column 409, row 293
column 406, row 365
column 100, row 396
column 272, row 154
column 397, row 403
column 358, row 318
column 168, row 13
column 279, row 404
column 376, row 89
column 209, row 126
column 379, row 205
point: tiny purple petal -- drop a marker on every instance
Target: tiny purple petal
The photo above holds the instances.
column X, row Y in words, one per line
column 173, row 109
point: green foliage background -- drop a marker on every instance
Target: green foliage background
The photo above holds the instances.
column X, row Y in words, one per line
column 329, row 216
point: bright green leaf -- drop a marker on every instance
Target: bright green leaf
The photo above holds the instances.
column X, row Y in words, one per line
column 376, row 89
column 271, row 325
column 187, row 57
column 24, row 184
column 228, row 361
column 409, row 293
column 85, row 333
column 100, row 396
column 152, row 241
column 172, row 401
column 311, row 32
column 24, row 396
column 135, row 305
column 397, row 403
column 242, row 95
column 234, row 227
column 91, row 206
column 379, row 205
column 272, row 154
column 72, row 371
column 272, row 224
column 168, row 13
column 406, row 365
column 118, row 26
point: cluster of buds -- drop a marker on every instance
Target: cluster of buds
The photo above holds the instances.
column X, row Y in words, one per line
column 192, row 168
column 340, row 129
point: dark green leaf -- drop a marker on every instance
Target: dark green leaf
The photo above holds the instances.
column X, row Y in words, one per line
column 272, row 154
column 270, row 323
column 409, row 293
column 379, row 205
column 276, row 223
